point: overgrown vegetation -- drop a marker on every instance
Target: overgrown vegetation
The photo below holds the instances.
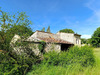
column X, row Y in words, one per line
column 19, row 65
column 76, row 58
column 10, row 63
column 41, row 46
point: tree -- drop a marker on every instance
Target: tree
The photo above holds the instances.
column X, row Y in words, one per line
column 95, row 40
column 85, row 41
column 43, row 29
column 48, row 29
column 67, row 30
column 11, row 63
column 10, row 23
column 21, row 30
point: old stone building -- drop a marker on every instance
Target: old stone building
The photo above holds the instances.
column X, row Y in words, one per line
column 57, row 42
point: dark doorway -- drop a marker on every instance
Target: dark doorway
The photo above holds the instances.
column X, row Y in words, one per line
column 64, row 47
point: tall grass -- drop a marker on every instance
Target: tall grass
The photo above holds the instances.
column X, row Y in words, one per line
column 76, row 61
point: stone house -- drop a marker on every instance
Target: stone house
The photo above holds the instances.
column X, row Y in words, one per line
column 58, row 42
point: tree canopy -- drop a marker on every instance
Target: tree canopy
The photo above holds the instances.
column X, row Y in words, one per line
column 13, row 24
column 95, row 40
column 48, row 29
column 20, row 30
column 67, row 30
column 85, row 41
column 43, row 29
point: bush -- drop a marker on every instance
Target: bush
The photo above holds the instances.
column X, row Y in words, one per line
column 75, row 55
column 6, row 63
column 19, row 65
column 75, row 60
column 82, row 55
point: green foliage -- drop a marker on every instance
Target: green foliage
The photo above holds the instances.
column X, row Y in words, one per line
column 13, row 24
column 43, row 29
column 74, row 61
column 18, row 65
column 85, row 41
column 48, row 29
column 21, row 43
column 75, row 55
column 19, row 30
column 5, row 64
column 67, row 30
column 95, row 40
column 10, row 63
column 97, row 32
column 41, row 46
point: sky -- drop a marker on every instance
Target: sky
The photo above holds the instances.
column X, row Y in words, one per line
column 82, row 16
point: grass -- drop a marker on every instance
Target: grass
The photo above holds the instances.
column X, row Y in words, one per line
column 75, row 70
column 96, row 69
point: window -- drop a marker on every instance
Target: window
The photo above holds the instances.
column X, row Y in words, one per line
column 77, row 41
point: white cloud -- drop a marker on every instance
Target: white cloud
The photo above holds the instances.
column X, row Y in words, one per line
column 86, row 36
column 94, row 5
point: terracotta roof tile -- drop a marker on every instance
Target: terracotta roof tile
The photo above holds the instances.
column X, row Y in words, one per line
column 52, row 40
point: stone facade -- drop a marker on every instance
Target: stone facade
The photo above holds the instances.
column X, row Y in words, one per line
column 66, row 36
column 48, row 47
column 71, row 37
column 51, row 46
column 34, row 48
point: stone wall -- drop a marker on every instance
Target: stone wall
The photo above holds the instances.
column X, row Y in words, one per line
column 48, row 47
column 34, row 47
column 66, row 36
column 75, row 39
column 51, row 47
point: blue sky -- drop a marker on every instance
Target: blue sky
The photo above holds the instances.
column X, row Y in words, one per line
column 82, row 16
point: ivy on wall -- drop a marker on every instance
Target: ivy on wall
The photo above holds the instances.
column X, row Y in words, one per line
column 41, row 46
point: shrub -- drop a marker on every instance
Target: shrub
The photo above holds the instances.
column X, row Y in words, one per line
column 76, row 59
column 19, row 65
column 51, row 58
column 82, row 55
column 75, row 55
column 6, row 63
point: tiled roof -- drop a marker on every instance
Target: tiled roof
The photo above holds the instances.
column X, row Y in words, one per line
column 52, row 40
column 47, row 37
